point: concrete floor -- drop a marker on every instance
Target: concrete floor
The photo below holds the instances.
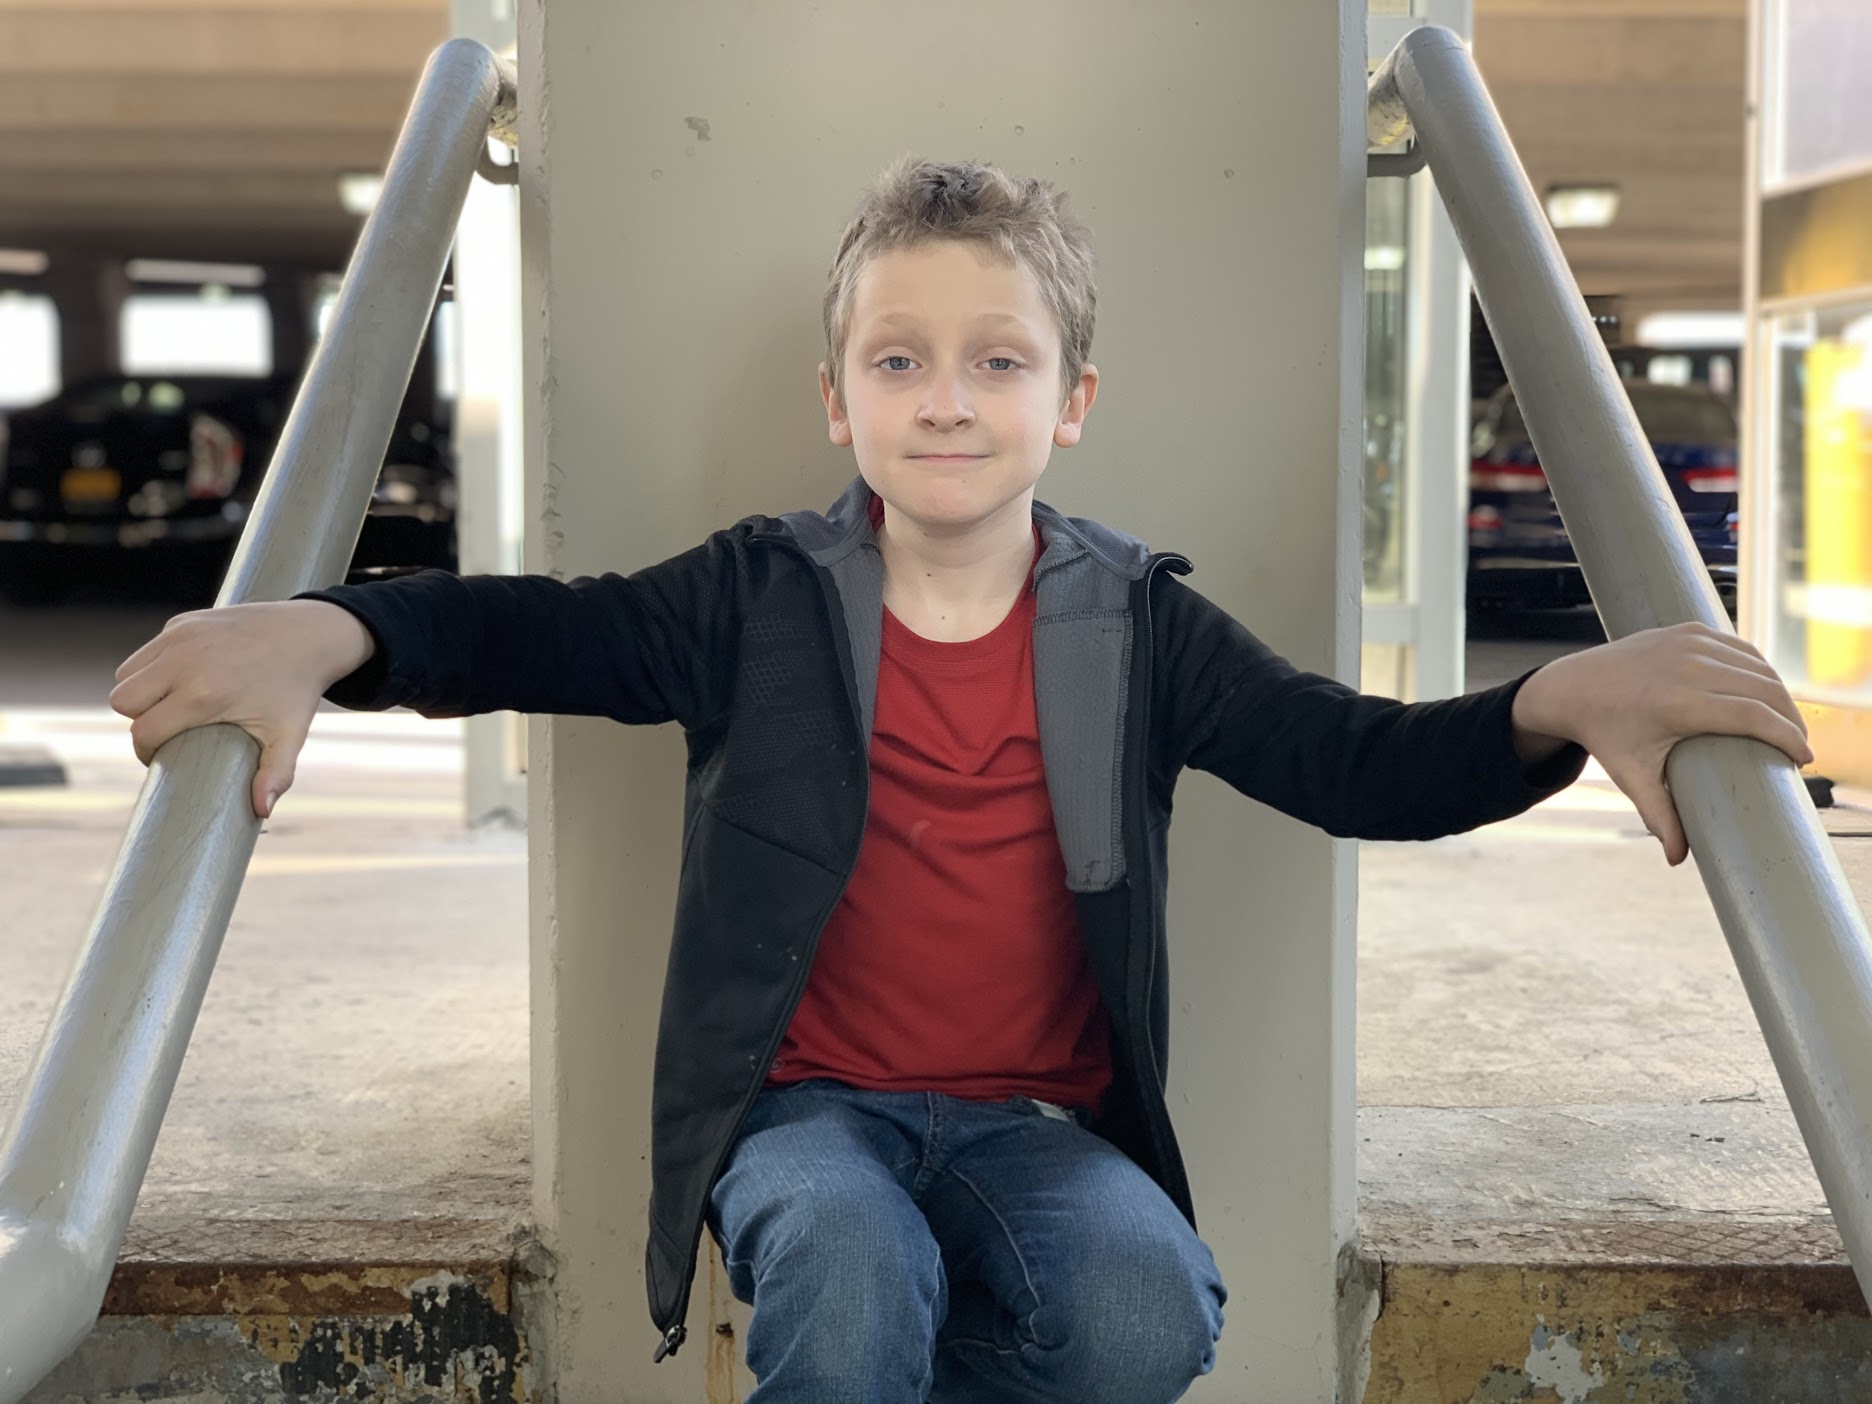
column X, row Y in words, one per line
column 1551, row 1031
column 361, row 1057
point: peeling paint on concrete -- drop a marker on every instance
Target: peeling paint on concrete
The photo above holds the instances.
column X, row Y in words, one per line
column 1358, row 1284
column 1662, row 1334
column 1554, row 1362
column 718, row 1368
column 452, row 1343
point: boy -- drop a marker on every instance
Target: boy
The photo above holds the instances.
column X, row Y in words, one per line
column 910, row 1068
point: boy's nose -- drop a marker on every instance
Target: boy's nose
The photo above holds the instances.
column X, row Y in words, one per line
column 945, row 406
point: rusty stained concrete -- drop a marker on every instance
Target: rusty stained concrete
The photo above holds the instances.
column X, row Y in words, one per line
column 1478, row 1333
column 441, row 1338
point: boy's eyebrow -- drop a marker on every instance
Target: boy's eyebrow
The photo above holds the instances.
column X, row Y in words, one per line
column 911, row 319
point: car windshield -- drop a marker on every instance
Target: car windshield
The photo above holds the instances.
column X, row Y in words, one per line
column 1667, row 417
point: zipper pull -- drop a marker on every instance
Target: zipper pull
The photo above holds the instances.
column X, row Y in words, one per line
column 671, row 1343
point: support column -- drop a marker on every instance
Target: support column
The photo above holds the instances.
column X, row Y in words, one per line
column 681, row 197
column 289, row 292
column 89, row 291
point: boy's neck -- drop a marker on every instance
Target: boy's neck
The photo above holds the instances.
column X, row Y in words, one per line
column 953, row 586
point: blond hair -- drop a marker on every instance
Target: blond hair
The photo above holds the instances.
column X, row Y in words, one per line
column 917, row 202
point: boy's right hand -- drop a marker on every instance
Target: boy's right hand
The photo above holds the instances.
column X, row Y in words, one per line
column 261, row 667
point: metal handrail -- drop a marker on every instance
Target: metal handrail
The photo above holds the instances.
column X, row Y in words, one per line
column 1798, row 937
column 78, row 1142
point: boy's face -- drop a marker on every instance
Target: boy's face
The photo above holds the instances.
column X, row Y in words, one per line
column 951, row 385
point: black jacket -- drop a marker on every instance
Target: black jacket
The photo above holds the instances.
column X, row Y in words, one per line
column 763, row 643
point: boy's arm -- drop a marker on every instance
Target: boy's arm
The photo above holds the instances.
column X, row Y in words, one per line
column 650, row 647
column 1356, row 766
column 1369, row 767
column 644, row 648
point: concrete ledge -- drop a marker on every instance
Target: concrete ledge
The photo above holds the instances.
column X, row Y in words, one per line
column 1568, row 1333
column 1663, row 1254
column 377, row 1313
column 240, row 1266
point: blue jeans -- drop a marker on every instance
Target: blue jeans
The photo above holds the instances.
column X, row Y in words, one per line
column 900, row 1247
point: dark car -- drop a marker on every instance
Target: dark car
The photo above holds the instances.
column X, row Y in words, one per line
column 1519, row 554
column 168, row 467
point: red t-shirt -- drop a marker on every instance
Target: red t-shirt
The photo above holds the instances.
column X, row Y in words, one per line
column 954, row 963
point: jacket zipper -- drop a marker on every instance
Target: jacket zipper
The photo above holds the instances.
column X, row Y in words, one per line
column 678, row 1333
column 1139, row 808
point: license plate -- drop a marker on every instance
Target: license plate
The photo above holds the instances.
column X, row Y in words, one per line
column 91, row 485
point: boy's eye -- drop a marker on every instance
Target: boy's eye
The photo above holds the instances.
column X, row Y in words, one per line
column 1008, row 363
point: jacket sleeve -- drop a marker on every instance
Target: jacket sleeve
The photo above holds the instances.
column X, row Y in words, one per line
column 1313, row 748
column 650, row 647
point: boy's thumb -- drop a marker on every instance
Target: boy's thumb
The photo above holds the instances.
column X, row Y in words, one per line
column 1659, row 813
column 270, row 781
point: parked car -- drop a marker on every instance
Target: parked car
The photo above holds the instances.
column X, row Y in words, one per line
column 161, row 471
column 1519, row 554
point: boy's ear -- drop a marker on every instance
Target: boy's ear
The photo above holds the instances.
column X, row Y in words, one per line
column 1078, row 404
column 838, row 427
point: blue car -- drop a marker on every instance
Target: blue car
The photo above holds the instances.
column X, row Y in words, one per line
column 1519, row 555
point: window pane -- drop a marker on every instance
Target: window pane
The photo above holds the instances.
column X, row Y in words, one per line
column 1826, row 103
column 1689, row 419
column 227, row 334
column 1821, row 392
column 29, row 349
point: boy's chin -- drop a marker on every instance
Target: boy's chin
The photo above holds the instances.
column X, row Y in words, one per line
column 934, row 509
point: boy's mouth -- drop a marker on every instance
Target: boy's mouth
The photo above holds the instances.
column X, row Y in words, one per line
column 947, row 457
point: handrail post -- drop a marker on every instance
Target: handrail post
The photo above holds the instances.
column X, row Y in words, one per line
column 78, row 1141
column 1793, row 926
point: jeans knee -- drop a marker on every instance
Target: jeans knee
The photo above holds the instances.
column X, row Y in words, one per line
column 1139, row 1337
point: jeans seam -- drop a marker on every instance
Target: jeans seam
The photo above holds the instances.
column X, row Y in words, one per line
column 1024, row 1324
column 970, row 1343
column 932, row 1143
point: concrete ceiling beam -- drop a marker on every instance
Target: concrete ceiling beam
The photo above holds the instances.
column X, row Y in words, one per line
column 89, row 39
column 199, row 150
column 1647, row 52
column 224, row 193
column 32, row 103
column 1618, row 9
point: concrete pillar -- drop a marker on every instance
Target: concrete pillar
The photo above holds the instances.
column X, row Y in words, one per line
column 89, row 291
column 488, row 472
column 682, row 191
column 289, row 291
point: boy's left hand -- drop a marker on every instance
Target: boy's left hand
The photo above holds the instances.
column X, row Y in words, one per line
column 1630, row 702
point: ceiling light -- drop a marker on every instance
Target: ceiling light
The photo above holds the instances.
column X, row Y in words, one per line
column 358, row 191
column 1383, row 258
column 1581, row 206
column 175, row 270
column 30, row 262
